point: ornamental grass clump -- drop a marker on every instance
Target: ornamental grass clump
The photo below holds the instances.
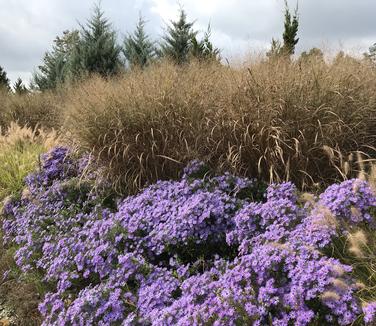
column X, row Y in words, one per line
column 35, row 109
column 201, row 250
column 278, row 120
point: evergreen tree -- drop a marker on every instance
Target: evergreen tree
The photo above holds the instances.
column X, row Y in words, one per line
column 204, row 49
column 4, row 81
column 177, row 42
column 138, row 50
column 291, row 30
column 291, row 25
column 275, row 49
column 96, row 51
column 19, row 88
column 56, row 63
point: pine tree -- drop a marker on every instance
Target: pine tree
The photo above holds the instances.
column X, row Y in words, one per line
column 56, row 64
column 19, row 88
column 4, row 81
column 291, row 25
column 138, row 50
column 96, row 51
column 204, row 49
column 291, row 30
column 275, row 49
column 177, row 42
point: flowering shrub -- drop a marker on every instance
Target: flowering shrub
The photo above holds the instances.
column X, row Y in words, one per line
column 202, row 250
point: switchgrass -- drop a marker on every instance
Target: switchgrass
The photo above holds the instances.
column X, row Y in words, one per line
column 274, row 120
column 33, row 110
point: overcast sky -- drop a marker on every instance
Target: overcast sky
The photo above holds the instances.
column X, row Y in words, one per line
column 239, row 27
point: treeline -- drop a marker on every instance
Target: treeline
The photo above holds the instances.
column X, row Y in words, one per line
column 18, row 86
column 93, row 49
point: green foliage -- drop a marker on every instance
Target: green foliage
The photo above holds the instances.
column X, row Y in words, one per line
column 181, row 43
column 4, row 81
column 275, row 49
column 290, row 32
column 16, row 162
column 19, row 88
column 291, row 25
column 55, row 68
column 79, row 53
column 178, row 40
column 138, row 49
column 204, row 49
column 20, row 149
column 96, row 51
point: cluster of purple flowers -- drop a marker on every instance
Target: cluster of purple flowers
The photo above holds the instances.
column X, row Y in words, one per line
column 197, row 251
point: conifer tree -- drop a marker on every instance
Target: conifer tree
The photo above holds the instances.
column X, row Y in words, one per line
column 56, row 63
column 4, row 81
column 96, row 51
column 138, row 50
column 291, row 25
column 291, row 30
column 19, row 88
column 204, row 49
column 275, row 49
column 177, row 42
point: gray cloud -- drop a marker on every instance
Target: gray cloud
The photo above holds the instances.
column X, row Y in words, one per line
column 338, row 19
column 27, row 27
